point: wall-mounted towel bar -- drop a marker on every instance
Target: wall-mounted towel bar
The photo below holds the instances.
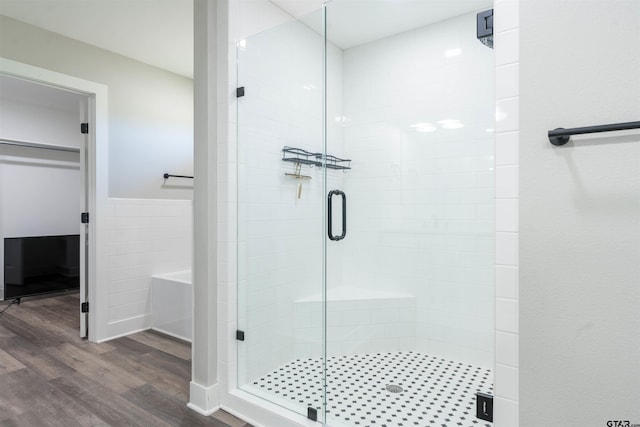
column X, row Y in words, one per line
column 168, row 175
column 561, row 136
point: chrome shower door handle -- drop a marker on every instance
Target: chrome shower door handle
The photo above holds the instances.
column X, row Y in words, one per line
column 330, row 214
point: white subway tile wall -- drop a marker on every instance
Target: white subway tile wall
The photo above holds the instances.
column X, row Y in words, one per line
column 507, row 152
column 419, row 127
column 509, row 40
column 507, row 352
column 145, row 237
column 506, row 43
column 507, row 81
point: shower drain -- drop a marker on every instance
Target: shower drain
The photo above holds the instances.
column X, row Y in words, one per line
column 394, row 388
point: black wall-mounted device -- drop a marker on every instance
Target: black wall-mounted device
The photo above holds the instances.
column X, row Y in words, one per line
column 485, row 27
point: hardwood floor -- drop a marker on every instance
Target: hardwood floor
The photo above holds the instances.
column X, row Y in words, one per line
column 51, row 377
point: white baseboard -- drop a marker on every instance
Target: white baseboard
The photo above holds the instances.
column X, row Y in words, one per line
column 126, row 327
column 262, row 413
column 204, row 400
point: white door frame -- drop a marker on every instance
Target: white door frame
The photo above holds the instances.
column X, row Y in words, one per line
column 85, row 233
column 97, row 179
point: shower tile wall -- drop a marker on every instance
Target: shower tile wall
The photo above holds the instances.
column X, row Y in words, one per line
column 419, row 114
column 280, row 235
column 507, row 33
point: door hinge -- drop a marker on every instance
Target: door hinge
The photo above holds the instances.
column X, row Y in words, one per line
column 240, row 335
column 484, row 406
column 484, row 27
column 312, row 413
column 240, row 92
column 84, row 127
column 84, row 307
column 84, row 218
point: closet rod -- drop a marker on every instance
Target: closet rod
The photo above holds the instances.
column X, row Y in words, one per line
column 36, row 145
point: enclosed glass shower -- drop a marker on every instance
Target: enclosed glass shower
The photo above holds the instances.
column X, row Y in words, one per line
column 365, row 210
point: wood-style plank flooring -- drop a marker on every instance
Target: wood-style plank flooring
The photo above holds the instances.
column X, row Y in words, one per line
column 51, row 377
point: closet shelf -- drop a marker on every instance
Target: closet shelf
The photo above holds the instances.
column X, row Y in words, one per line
column 304, row 157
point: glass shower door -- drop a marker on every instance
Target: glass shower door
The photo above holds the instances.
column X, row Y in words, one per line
column 409, row 202
column 280, row 207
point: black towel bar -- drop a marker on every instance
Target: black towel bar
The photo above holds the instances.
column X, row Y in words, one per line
column 167, row 175
column 561, row 136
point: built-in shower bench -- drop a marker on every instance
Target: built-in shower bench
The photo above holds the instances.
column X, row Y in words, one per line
column 358, row 321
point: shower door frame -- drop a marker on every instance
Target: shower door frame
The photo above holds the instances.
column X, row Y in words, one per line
column 228, row 396
column 241, row 320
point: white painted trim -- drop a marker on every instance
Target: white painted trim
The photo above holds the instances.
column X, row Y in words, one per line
column 171, row 334
column 126, row 334
column 238, row 415
column 98, row 179
column 123, row 328
column 204, row 400
column 198, row 410
column 84, row 117
column 251, row 408
column 207, row 42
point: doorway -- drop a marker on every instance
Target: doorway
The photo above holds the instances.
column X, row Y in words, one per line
column 43, row 189
column 67, row 132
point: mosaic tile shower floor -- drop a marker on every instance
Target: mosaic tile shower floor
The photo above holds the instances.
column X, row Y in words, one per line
column 430, row 391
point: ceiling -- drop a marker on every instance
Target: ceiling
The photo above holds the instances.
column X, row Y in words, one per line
column 156, row 32
column 160, row 32
column 354, row 22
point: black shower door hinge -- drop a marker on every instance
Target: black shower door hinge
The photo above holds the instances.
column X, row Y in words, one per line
column 240, row 92
column 84, row 218
column 240, row 335
column 84, row 307
column 84, row 127
column 312, row 414
column 484, row 406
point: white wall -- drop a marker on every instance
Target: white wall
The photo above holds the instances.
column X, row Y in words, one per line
column 421, row 203
column 579, row 214
column 150, row 110
column 40, row 192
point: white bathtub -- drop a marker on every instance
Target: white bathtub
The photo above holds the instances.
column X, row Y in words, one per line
column 172, row 304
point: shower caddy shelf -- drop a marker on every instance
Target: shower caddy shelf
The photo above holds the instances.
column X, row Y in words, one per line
column 304, row 157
